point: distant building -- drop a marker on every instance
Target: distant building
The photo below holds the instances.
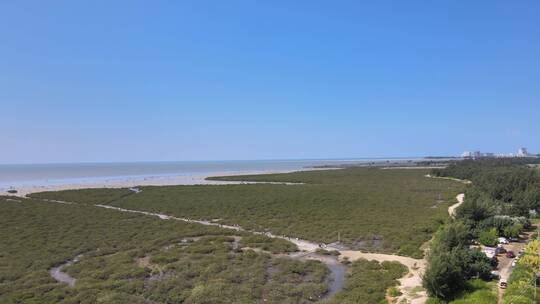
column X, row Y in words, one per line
column 522, row 152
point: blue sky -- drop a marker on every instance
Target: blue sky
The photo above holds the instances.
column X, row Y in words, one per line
column 200, row 80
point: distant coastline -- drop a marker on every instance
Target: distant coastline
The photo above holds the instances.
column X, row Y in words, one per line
column 26, row 179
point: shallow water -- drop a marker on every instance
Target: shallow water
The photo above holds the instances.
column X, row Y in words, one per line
column 59, row 174
column 337, row 272
column 62, row 277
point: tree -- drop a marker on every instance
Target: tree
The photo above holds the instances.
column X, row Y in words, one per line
column 488, row 237
column 478, row 265
column 530, row 258
column 477, row 207
column 445, row 275
column 453, row 235
column 513, row 231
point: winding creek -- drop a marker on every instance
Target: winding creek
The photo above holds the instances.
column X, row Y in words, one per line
column 62, row 277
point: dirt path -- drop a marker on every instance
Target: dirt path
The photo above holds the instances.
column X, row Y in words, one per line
column 464, row 181
column 452, row 209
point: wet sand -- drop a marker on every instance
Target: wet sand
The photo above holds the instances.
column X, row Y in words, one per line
column 127, row 182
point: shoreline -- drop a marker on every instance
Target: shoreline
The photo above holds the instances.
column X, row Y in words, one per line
column 130, row 182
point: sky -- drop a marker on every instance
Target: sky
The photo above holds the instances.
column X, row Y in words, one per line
column 99, row 81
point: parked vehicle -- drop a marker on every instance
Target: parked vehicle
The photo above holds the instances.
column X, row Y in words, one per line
column 514, row 263
column 510, row 254
column 502, row 240
column 503, row 284
column 494, row 262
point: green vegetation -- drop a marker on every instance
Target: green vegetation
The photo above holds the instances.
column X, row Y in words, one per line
column 392, row 211
column 273, row 245
column 451, row 263
column 488, row 237
column 327, row 252
column 132, row 258
column 394, row 292
column 504, row 184
column 369, row 282
column 503, row 195
column 476, row 292
column 86, row 196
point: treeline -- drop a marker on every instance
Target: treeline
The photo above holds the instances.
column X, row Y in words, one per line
column 506, row 186
column 503, row 196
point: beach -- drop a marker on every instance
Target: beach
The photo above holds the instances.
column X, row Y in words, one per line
column 129, row 182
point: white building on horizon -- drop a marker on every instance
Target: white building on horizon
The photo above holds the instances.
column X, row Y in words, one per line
column 522, row 152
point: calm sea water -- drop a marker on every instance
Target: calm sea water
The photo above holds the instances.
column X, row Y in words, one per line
column 53, row 174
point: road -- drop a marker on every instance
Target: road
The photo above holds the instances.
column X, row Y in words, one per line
column 505, row 264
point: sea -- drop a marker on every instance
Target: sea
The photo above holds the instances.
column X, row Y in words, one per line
column 13, row 175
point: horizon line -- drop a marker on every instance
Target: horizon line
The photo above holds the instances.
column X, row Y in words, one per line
column 231, row 160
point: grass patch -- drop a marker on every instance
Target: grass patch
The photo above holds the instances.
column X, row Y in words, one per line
column 273, row 245
column 327, row 252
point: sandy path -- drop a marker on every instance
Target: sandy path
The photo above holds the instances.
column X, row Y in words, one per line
column 464, row 181
column 452, row 209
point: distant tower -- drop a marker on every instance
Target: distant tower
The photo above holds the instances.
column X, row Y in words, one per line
column 522, row 152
